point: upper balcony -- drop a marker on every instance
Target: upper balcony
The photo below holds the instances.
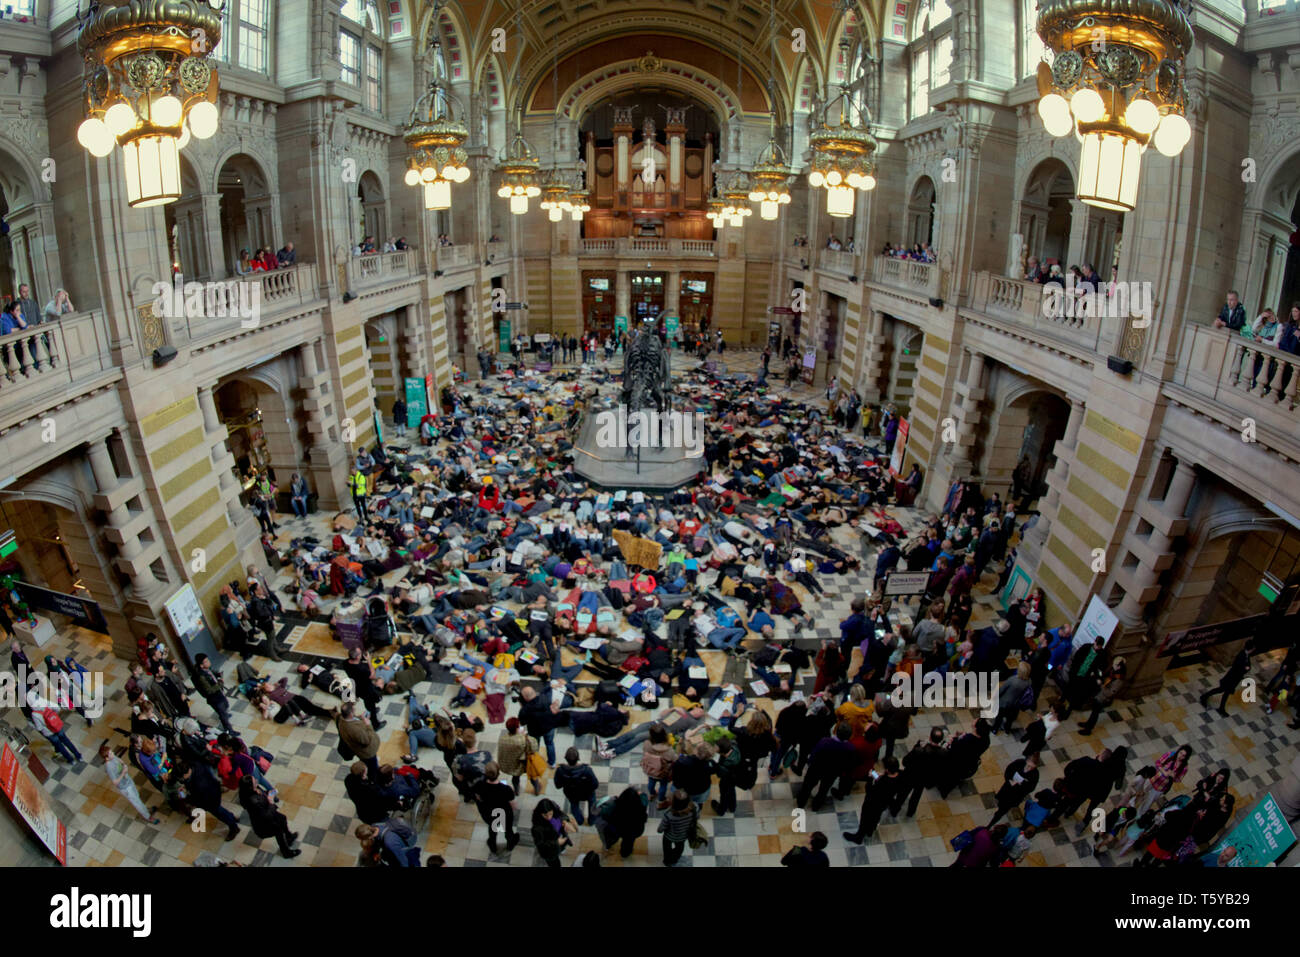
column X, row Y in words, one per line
column 74, row 360
column 453, row 258
column 839, row 261
column 907, row 275
column 372, row 270
column 1230, row 379
column 1022, row 307
column 638, row 248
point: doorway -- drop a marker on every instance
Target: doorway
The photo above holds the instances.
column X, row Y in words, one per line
column 648, row 296
column 598, row 302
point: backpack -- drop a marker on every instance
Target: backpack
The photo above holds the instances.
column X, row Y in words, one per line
column 656, row 765
column 1026, row 701
column 52, row 720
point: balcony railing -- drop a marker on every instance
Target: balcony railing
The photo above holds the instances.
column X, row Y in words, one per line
column 375, row 268
column 456, row 257
column 637, row 246
column 229, row 305
column 839, row 261
column 908, row 274
column 73, row 352
column 1024, row 303
column 1248, row 377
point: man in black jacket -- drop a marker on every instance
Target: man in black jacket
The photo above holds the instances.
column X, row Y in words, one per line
column 1231, row 678
column 203, row 790
column 922, row 768
column 579, row 784
column 541, row 718
column 372, row 806
column 1019, row 781
column 262, row 613
column 830, row 759
column 363, row 679
column 962, row 758
column 882, row 791
column 208, row 685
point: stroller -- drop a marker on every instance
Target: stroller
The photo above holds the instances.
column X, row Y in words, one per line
column 378, row 628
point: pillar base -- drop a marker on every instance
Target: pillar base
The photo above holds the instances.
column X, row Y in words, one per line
column 1137, row 646
column 328, row 470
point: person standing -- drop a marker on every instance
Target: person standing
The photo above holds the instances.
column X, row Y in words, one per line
column 266, row 819
column 399, row 418
column 202, row 789
column 357, row 485
column 497, row 807
column 551, row 830
column 833, row 756
column 45, row 718
column 579, row 784
column 358, row 737
column 1231, row 678
column 923, row 768
column 883, row 790
column 1019, row 781
column 32, row 314
column 208, row 685
column 678, row 826
column 120, row 777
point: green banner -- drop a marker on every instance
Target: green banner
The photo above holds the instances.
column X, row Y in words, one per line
column 417, row 406
column 672, row 324
column 504, row 345
column 1258, row 840
column 620, row 325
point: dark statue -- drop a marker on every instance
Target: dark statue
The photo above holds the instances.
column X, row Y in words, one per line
column 646, row 384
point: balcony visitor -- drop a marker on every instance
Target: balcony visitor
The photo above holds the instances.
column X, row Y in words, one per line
column 59, row 306
column 11, row 320
column 1232, row 315
column 245, row 265
column 287, row 255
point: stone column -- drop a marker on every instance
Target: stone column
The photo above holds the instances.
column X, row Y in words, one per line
column 672, row 293
column 873, row 341
column 623, row 296
column 210, row 243
column 223, row 463
column 120, row 519
column 327, row 455
column 966, row 412
column 1056, row 479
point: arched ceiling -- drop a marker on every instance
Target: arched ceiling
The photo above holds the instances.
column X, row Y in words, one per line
column 580, row 32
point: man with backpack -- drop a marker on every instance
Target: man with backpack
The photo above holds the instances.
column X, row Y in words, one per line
column 45, row 718
column 209, row 688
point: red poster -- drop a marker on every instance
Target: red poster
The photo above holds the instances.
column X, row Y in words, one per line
column 900, row 447
column 33, row 804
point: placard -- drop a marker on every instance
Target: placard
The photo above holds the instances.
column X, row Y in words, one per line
column 1206, row 636
column 1258, row 840
column 638, row 551
column 32, row 804
column 900, row 448
column 417, row 402
column 187, row 621
column 906, row 583
column 83, row 611
column 1098, row 622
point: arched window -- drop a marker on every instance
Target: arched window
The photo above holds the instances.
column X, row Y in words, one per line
column 361, row 52
column 1032, row 47
column 854, row 64
column 931, row 54
column 245, row 35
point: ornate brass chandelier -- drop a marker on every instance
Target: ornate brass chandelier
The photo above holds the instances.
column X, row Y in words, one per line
column 770, row 180
column 735, row 206
column 149, row 87
column 436, row 139
column 519, row 169
column 1117, row 81
column 579, row 203
column 555, row 196
column 715, row 211
column 842, row 147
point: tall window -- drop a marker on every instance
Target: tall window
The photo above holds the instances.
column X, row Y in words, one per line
column 245, row 29
column 1033, row 46
column 350, row 57
column 252, row 35
column 931, row 46
column 22, row 8
column 362, row 12
column 374, row 64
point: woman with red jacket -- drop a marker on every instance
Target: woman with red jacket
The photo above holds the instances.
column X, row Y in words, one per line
column 489, row 497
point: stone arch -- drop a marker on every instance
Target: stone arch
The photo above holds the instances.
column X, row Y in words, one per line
column 592, row 87
column 372, row 199
column 1031, row 418
column 263, row 392
column 921, row 211
column 25, row 206
column 1045, row 210
column 248, row 212
column 1270, row 217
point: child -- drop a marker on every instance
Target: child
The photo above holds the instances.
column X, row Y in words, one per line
column 1017, row 841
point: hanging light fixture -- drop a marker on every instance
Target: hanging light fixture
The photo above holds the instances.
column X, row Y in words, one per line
column 735, row 208
column 436, row 139
column 520, row 171
column 555, row 196
column 149, row 87
column 716, row 211
column 842, row 148
column 579, row 204
column 770, row 174
column 1116, row 82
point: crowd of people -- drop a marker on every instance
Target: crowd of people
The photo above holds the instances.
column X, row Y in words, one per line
column 498, row 591
column 918, row 252
column 21, row 312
